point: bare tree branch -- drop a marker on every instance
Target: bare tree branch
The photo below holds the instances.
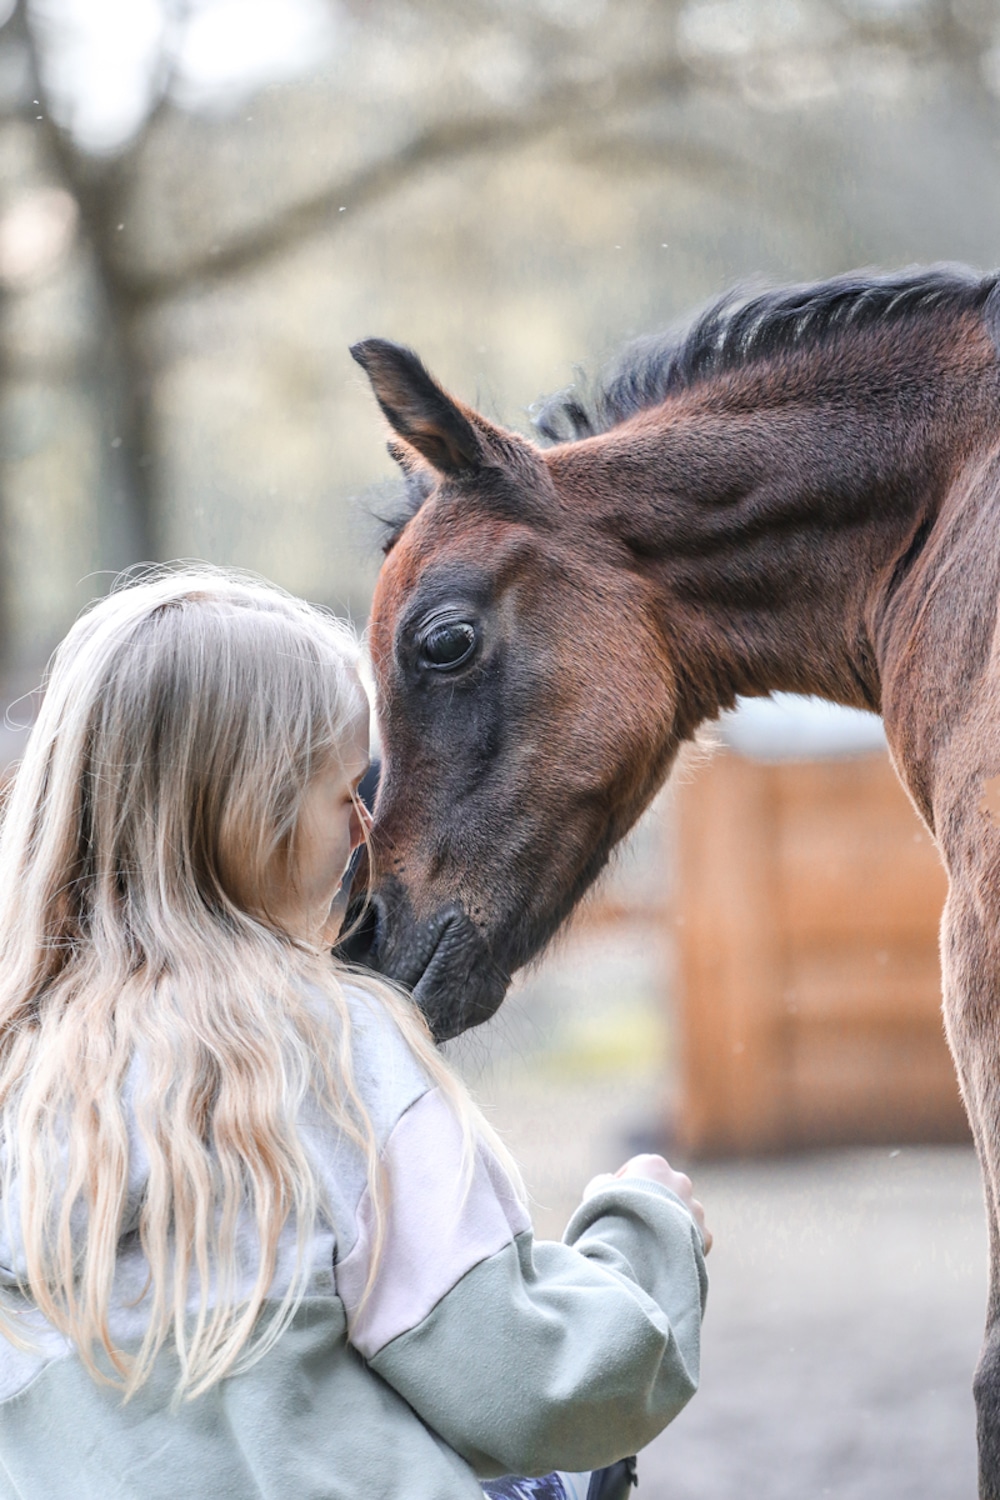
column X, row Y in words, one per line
column 449, row 141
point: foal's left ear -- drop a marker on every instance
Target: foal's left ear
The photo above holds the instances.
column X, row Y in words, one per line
column 419, row 410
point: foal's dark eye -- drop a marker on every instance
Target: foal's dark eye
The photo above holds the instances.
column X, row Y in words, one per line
column 448, row 644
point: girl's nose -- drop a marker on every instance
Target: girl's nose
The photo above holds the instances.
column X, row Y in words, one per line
column 361, row 821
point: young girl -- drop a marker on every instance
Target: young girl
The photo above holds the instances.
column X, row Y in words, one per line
column 255, row 1240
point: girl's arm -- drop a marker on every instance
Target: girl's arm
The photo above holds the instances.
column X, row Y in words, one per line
column 526, row 1357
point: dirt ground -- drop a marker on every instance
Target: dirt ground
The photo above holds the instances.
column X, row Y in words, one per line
column 847, row 1287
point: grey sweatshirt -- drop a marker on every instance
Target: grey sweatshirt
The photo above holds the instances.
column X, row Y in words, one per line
column 479, row 1351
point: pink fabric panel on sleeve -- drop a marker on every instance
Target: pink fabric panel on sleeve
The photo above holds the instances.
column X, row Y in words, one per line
column 434, row 1234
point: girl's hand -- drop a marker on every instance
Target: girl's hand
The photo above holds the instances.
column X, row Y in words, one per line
column 658, row 1169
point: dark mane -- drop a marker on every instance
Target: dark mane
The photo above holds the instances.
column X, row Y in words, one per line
column 740, row 329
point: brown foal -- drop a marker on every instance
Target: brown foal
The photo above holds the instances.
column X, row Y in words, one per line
column 802, row 493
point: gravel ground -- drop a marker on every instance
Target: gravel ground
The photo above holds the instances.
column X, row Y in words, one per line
column 847, row 1287
column 843, row 1325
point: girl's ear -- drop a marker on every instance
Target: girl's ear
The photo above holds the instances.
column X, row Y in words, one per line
column 424, row 415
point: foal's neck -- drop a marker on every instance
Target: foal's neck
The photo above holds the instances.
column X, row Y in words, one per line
column 774, row 510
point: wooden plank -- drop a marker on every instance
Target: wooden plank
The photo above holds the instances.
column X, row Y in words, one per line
column 729, row 956
column 845, row 829
column 881, row 1083
column 861, row 981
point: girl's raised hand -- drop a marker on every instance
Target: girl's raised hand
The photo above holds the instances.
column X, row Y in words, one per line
column 658, row 1169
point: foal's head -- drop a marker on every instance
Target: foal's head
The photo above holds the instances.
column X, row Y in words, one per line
column 525, row 697
column 549, row 625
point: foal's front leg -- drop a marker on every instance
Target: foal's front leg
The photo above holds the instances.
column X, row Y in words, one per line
column 970, row 944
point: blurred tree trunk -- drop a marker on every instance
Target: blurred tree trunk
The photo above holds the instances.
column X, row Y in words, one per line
column 93, row 185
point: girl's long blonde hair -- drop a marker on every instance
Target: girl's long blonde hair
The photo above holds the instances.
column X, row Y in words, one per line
column 183, row 718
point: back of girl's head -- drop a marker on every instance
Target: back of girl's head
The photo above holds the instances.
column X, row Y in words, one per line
column 183, row 717
column 182, row 720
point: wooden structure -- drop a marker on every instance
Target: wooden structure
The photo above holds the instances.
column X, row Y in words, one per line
column 808, row 903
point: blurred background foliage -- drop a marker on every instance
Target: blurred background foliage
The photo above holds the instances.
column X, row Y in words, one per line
column 203, row 202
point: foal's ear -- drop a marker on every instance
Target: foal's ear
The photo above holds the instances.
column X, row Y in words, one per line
column 422, row 413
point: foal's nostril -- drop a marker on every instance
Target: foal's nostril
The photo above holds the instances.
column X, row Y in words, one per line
column 360, row 937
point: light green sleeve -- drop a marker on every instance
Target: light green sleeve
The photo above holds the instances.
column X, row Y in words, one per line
column 563, row 1356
